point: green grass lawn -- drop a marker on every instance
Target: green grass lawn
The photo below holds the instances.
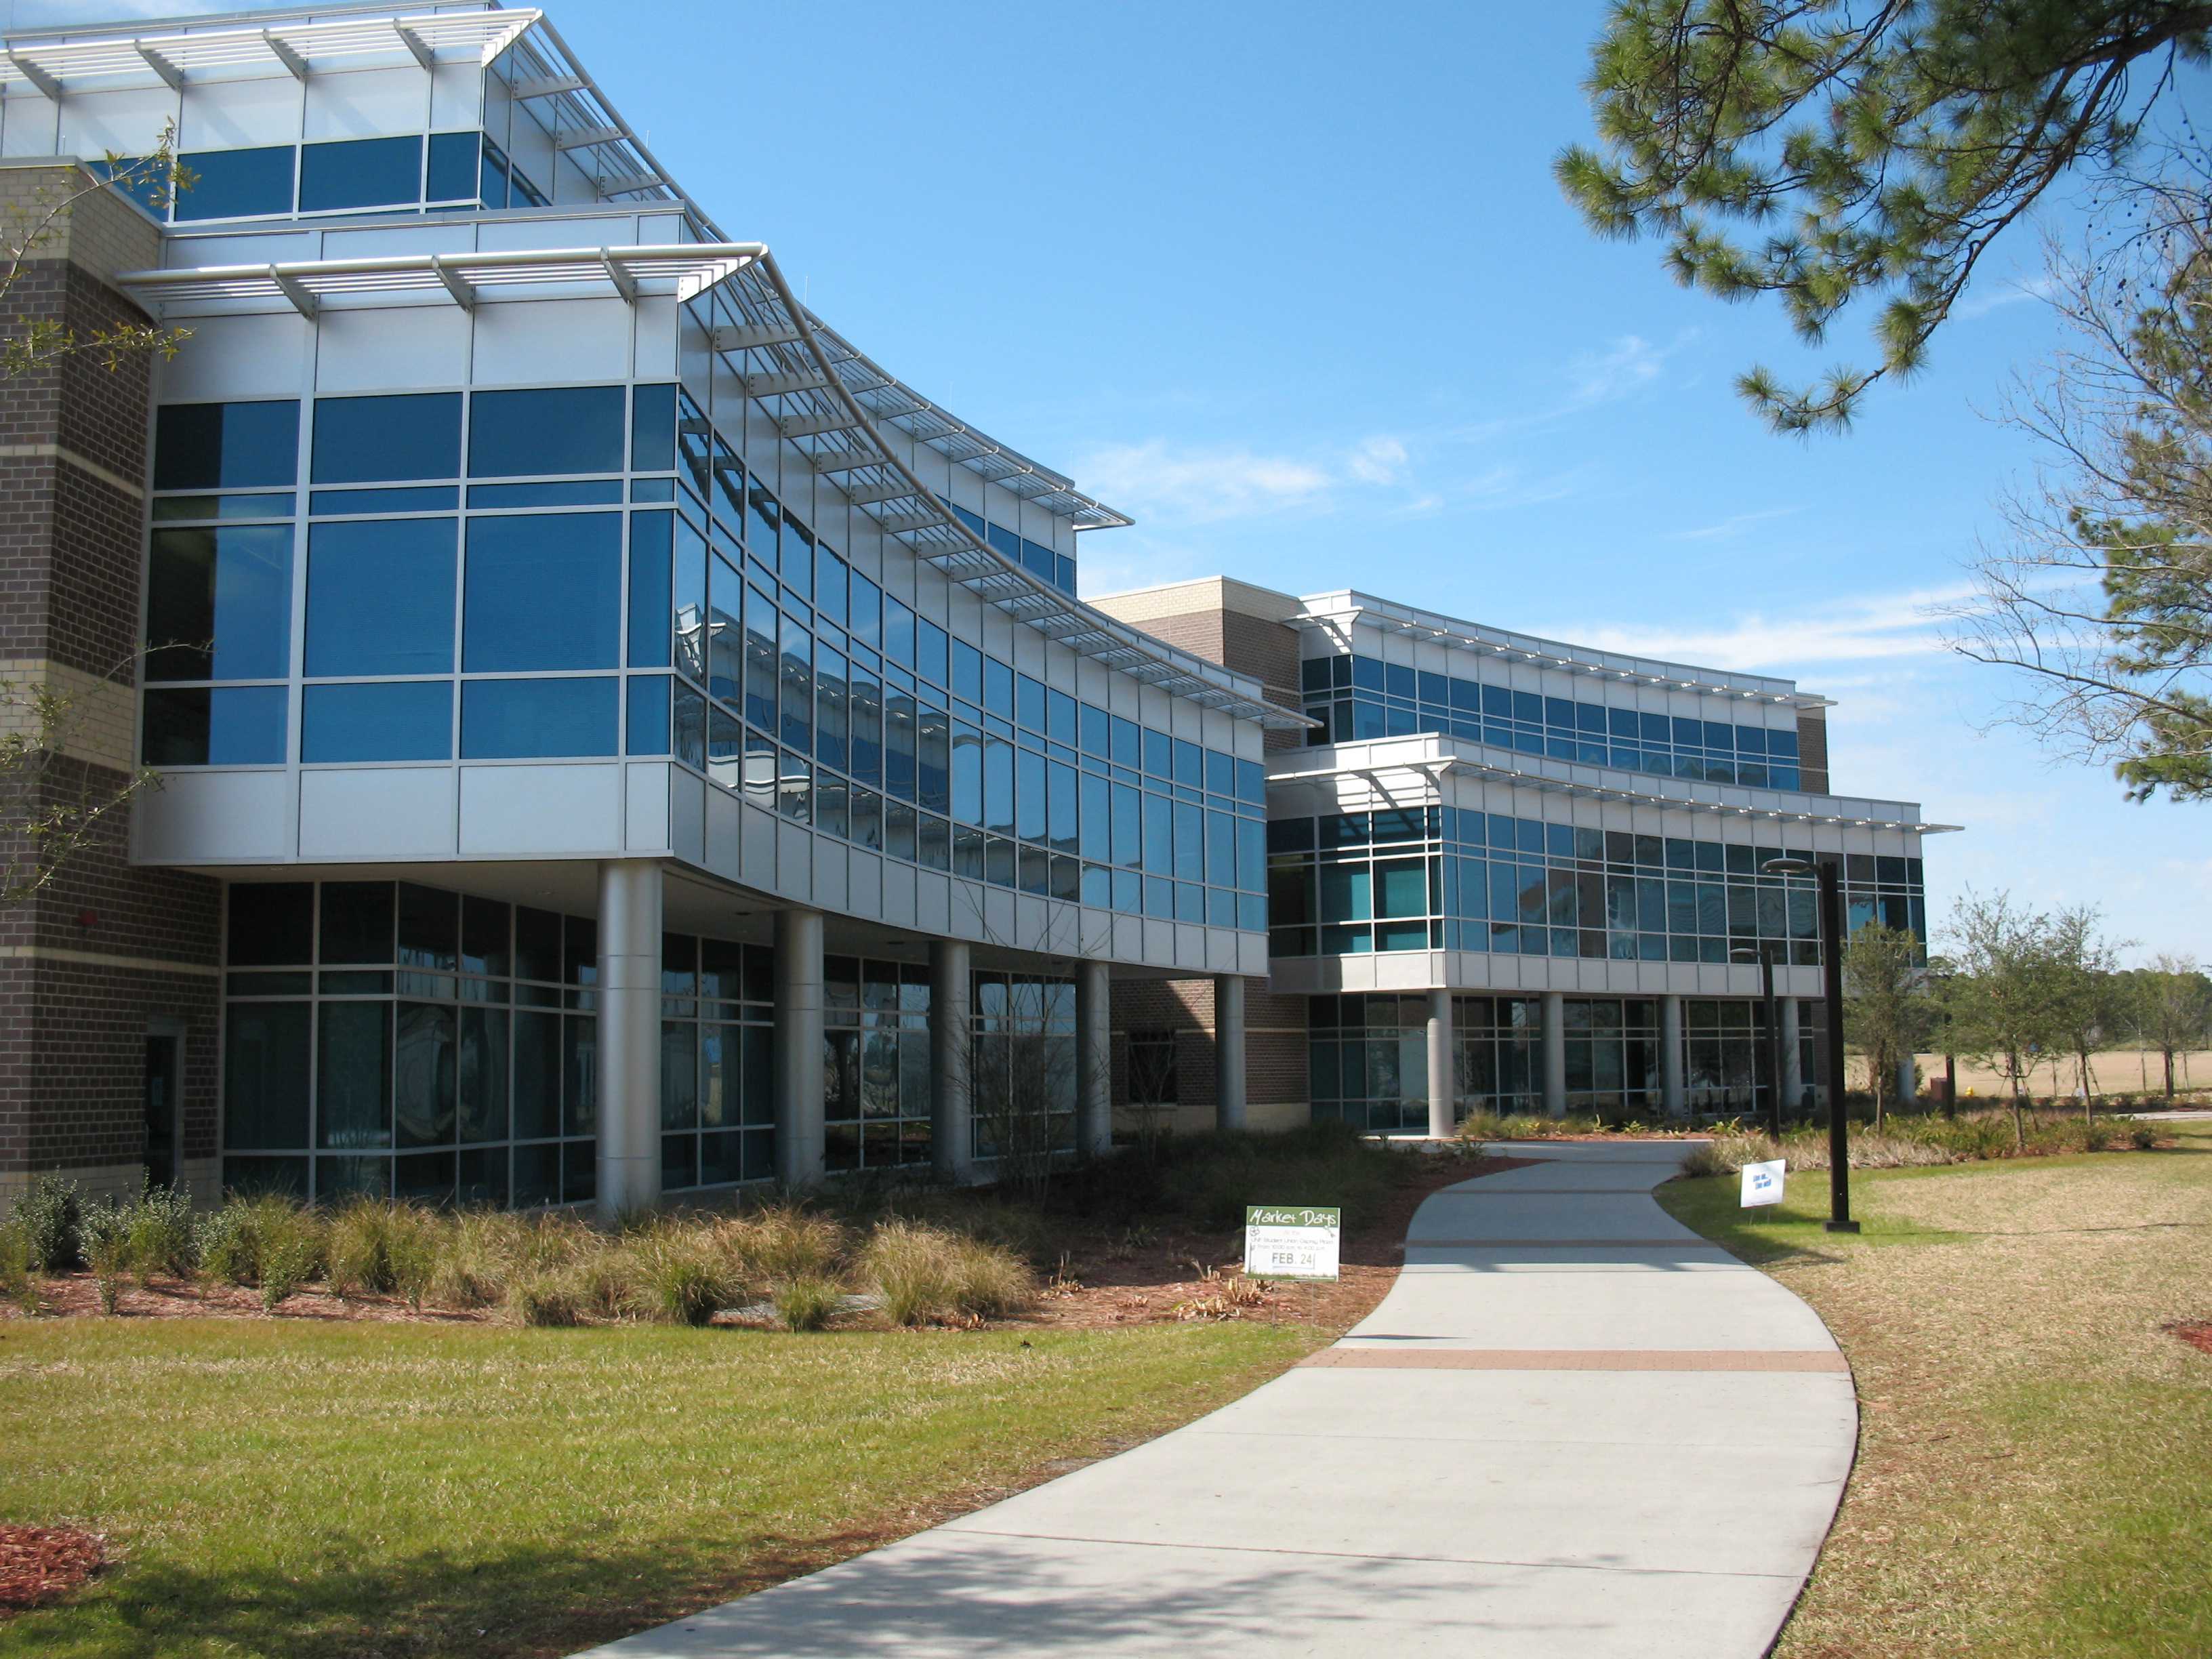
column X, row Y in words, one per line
column 296, row 1488
column 2035, row 1451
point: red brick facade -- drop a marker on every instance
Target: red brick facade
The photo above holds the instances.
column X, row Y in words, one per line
column 105, row 951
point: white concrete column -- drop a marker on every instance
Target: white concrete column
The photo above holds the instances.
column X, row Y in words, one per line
column 951, row 1043
column 1442, row 1071
column 1673, row 1096
column 1907, row 1085
column 799, row 1047
column 1094, row 1061
column 1228, row 1051
column 1555, row 1054
column 1793, row 1080
column 630, row 1036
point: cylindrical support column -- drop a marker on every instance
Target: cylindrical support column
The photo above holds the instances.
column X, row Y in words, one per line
column 1094, row 1061
column 1441, row 1071
column 799, row 1047
column 1674, row 1099
column 1793, row 1070
column 629, row 1036
column 1908, row 1082
column 951, row 1043
column 1228, row 1051
column 1555, row 1054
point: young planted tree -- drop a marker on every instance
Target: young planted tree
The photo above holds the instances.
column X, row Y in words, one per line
column 1022, row 1077
column 1831, row 151
column 2004, row 996
column 2088, row 999
column 2173, row 1000
column 1888, row 1012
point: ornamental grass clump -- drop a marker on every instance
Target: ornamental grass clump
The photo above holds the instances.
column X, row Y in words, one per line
column 415, row 1241
column 909, row 1265
column 805, row 1304
column 783, row 1242
column 542, row 1296
column 680, row 1277
column 289, row 1247
column 357, row 1249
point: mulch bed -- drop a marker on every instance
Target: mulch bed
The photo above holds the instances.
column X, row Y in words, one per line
column 38, row 1564
column 1110, row 1278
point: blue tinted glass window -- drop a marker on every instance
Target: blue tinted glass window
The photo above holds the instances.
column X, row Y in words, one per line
column 132, row 177
column 1719, row 735
column 1189, row 764
column 1528, row 709
column 510, row 720
column 898, row 632
column 543, row 591
column 1657, row 729
column 372, row 440
column 966, row 672
column 219, row 725
column 1498, row 703
column 1064, row 574
column 1028, row 702
column 650, row 534
column 227, row 446
column 973, row 520
column 563, row 429
column 1782, row 743
column 454, row 169
column 652, row 430
column 764, row 525
column 832, row 583
column 492, row 177
column 231, row 586
column 412, row 719
column 1689, row 733
column 1158, row 753
column 1398, row 681
column 1751, row 740
column 1038, row 560
column 1128, row 744
column 1621, row 722
column 1096, row 730
column 1005, row 542
column 648, row 728
column 361, row 173
column 237, row 184
column 380, row 597
column 929, row 650
column 998, row 688
column 866, row 604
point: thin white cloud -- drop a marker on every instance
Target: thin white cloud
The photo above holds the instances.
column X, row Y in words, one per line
column 1379, row 460
column 1735, row 525
column 1872, row 628
column 2008, row 294
column 1208, row 485
column 1629, row 364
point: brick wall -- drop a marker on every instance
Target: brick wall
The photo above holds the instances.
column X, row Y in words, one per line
column 104, row 949
column 1813, row 751
column 1274, row 1039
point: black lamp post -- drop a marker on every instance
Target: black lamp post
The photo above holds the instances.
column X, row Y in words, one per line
column 1832, row 1044
column 1765, row 953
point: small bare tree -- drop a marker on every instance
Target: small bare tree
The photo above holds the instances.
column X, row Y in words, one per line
column 1154, row 1086
column 1887, row 1013
column 1023, row 1078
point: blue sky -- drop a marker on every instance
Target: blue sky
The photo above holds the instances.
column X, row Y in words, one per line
column 1290, row 284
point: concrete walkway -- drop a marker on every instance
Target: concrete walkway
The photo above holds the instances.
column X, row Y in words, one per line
column 1572, row 1430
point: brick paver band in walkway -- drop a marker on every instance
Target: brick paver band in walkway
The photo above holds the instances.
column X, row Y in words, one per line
column 1547, row 1442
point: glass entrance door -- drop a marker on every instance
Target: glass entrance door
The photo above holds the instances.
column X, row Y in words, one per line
column 162, row 1079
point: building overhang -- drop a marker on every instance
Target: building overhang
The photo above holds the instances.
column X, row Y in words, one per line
column 775, row 348
column 1431, row 755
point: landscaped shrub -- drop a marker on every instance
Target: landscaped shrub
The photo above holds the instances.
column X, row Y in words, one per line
column 48, row 1211
column 230, row 1243
column 1207, row 1180
column 988, row 1280
column 805, row 1304
column 289, row 1247
column 415, row 1241
column 908, row 1265
column 104, row 1240
column 358, row 1248
column 1918, row 1142
column 165, row 1236
column 783, row 1242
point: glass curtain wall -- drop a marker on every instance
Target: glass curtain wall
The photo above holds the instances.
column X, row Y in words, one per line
column 875, row 1076
column 717, row 1062
column 1023, row 1066
column 1445, row 878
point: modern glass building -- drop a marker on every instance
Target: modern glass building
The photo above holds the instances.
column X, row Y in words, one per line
column 615, row 739
column 1511, row 874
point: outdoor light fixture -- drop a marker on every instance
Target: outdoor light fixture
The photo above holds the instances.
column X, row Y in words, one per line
column 1832, row 1045
column 1762, row 953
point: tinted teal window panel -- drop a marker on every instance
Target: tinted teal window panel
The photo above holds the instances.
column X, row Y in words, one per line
column 563, row 429
column 380, row 597
column 520, row 720
column 651, row 596
column 384, row 439
column 224, row 726
column 652, row 430
column 227, row 446
column 406, row 721
column 647, row 716
column 544, row 592
column 237, row 184
column 454, row 175
column 361, row 173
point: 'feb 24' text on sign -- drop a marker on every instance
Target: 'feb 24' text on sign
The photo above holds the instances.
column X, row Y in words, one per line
column 1292, row 1241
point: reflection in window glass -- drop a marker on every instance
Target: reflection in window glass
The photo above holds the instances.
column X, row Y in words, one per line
column 454, row 167
column 514, row 720
column 237, row 184
column 221, row 725
column 410, row 720
column 227, row 446
column 219, row 603
column 379, row 440
column 560, row 429
column 361, row 173
column 544, row 592
column 380, row 597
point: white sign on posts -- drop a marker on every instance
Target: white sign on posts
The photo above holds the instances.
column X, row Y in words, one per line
column 1292, row 1241
column 1762, row 1183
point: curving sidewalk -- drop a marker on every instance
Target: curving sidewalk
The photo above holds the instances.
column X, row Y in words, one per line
column 1572, row 1430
